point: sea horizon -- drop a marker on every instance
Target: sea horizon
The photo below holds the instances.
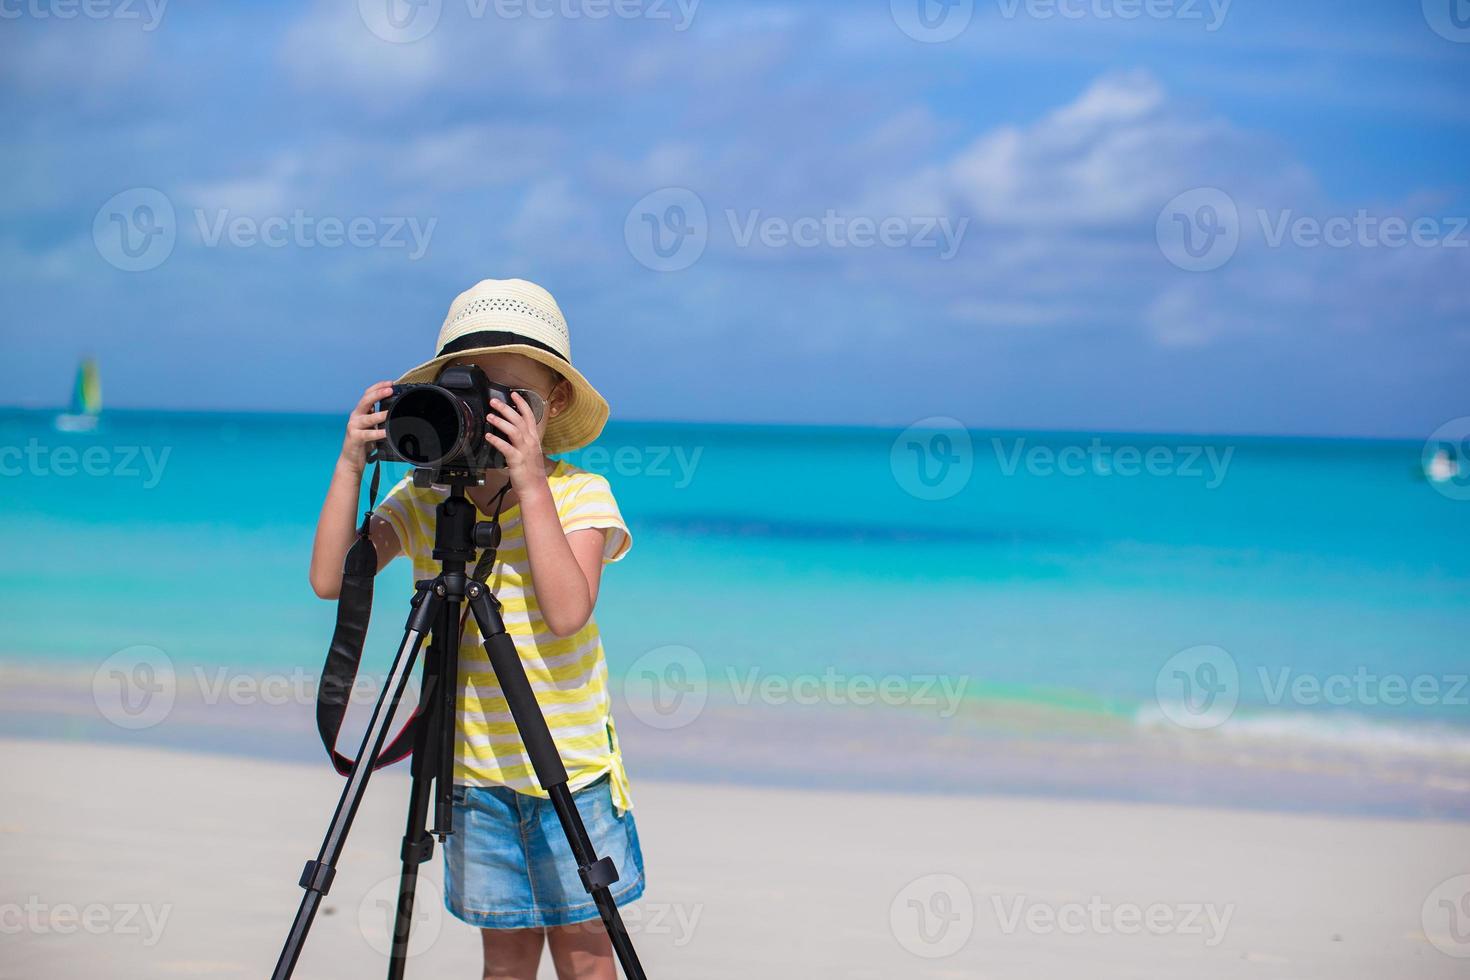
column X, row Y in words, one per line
column 892, row 427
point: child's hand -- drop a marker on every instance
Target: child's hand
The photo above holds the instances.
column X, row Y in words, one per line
column 363, row 426
column 519, row 442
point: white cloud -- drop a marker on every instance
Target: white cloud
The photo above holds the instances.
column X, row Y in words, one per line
column 1186, row 314
column 94, row 62
column 1102, row 160
column 476, row 155
column 330, row 48
column 1021, row 312
column 273, row 190
column 71, row 262
column 1063, row 212
column 534, row 59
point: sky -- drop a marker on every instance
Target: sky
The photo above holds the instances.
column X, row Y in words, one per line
column 1094, row 215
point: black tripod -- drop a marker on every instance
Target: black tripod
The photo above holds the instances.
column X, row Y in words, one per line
column 436, row 610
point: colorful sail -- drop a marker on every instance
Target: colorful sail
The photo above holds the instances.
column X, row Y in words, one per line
column 87, row 394
column 86, row 400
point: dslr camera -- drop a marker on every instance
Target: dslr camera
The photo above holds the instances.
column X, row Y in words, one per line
column 439, row 428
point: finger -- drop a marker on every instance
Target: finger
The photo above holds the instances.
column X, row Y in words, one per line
column 369, row 421
column 373, row 435
column 376, row 393
column 519, row 409
column 510, row 426
column 506, row 449
column 507, row 434
column 528, row 421
column 505, row 409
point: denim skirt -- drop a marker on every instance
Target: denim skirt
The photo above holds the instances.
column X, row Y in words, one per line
column 508, row 865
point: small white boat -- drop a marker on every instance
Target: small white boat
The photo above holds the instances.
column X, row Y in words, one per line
column 1442, row 466
column 86, row 400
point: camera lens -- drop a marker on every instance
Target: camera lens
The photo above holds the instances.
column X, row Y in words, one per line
column 426, row 425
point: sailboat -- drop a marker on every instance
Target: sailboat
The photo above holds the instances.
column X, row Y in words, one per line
column 1442, row 466
column 86, row 399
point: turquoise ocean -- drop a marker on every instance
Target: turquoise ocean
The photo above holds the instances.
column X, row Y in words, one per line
column 1055, row 574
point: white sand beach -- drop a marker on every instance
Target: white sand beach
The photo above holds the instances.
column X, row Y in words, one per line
column 130, row 862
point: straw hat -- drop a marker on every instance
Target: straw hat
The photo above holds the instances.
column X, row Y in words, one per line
column 518, row 317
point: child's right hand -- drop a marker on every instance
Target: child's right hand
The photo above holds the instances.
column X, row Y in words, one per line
column 364, row 426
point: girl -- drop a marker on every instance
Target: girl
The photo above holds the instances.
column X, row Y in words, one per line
column 507, row 867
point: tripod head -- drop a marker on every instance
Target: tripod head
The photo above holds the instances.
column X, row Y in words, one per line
column 447, row 476
column 458, row 534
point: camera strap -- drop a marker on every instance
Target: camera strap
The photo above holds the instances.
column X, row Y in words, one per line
column 354, row 609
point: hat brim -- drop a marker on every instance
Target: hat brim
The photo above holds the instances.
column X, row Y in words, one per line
column 574, row 427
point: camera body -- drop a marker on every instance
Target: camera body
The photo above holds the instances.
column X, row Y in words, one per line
column 439, row 428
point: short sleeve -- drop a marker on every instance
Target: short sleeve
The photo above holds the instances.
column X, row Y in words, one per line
column 401, row 510
column 591, row 505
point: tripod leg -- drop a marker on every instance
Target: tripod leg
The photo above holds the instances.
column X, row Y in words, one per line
column 317, row 878
column 448, row 710
column 597, row 873
column 418, row 843
column 441, row 674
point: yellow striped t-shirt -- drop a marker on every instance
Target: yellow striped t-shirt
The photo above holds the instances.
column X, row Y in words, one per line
column 568, row 674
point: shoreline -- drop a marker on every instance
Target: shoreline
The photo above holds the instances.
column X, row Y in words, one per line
column 189, row 868
column 313, row 758
column 988, row 750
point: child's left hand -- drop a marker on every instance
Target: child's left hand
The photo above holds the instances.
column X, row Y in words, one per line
column 520, row 442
